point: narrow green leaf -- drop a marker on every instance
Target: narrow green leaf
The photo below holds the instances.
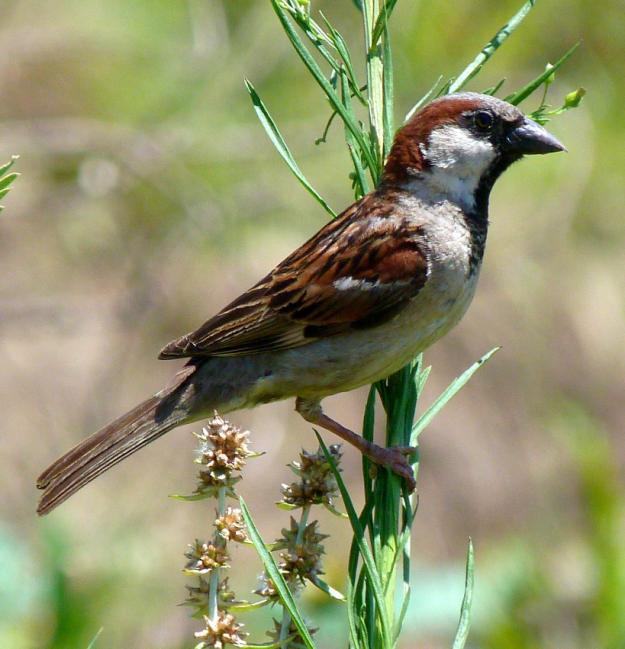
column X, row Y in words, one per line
column 328, row 590
column 319, row 77
column 422, row 378
column 191, row 498
column 5, row 167
column 360, row 598
column 335, row 511
column 371, row 571
column 402, row 612
column 389, row 117
column 402, row 539
column 288, row 641
column 91, row 645
column 518, row 96
column 424, row 100
column 360, row 174
column 364, row 520
column 354, row 641
column 368, row 425
column 317, row 36
column 382, row 20
column 451, row 391
column 341, row 47
column 464, row 623
column 375, row 86
column 491, row 47
column 278, row 141
column 444, row 89
column 493, row 90
column 364, row 606
column 276, row 577
column 7, row 180
column 248, row 606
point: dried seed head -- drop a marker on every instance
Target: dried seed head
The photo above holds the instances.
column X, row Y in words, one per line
column 218, row 633
column 198, row 596
column 223, row 451
column 227, row 596
column 316, row 484
column 204, row 557
column 230, row 526
column 301, row 559
column 295, row 639
column 267, row 589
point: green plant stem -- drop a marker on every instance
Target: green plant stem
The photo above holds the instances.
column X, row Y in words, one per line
column 375, row 80
column 213, row 581
column 385, row 498
column 285, row 624
column 275, row 575
column 491, row 47
column 399, row 398
column 462, row 633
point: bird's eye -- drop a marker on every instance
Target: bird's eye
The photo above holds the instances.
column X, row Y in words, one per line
column 484, row 120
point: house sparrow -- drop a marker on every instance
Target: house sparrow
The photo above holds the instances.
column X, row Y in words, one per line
column 373, row 288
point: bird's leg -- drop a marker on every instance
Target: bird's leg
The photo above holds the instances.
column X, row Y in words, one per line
column 393, row 458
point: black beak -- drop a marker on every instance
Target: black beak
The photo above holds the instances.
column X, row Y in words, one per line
column 529, row 138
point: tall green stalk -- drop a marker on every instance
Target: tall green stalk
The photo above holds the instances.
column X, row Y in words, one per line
column 375, row 82
column 388, row 512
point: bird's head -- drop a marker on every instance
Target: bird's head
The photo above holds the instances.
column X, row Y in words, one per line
column 457, row 146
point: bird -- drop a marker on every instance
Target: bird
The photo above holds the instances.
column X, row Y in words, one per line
column 375, row 286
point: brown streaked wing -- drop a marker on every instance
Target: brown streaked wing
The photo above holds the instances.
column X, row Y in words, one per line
column 356, row 272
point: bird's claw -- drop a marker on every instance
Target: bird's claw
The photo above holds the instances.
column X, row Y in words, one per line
column 395, row 458
column 405, row 450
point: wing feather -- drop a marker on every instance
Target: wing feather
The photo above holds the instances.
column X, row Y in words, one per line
column 359, row 270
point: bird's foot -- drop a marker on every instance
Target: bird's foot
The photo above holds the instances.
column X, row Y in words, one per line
column 395, row 458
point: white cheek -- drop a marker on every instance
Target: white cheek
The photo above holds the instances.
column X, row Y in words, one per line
column 457, row 161
column 453, row 147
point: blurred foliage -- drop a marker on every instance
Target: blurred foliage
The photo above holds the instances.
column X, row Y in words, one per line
column 150, row 196
column 6, row 179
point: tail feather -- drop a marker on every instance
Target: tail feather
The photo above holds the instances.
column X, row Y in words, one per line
column 101, row 451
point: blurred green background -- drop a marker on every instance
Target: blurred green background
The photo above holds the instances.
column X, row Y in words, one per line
column 150, row 196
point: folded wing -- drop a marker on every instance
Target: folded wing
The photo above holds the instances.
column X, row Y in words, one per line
column 358, row 271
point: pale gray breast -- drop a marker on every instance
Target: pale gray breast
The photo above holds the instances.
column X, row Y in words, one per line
column 452, row 274
column 448, row 240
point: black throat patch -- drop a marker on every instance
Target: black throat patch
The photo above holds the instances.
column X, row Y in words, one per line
column 477, row 223
column 477, row 219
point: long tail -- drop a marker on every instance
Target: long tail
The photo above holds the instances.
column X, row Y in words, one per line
column 108, row 446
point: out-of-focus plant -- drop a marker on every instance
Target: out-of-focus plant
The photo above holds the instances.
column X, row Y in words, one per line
column 7, row 177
